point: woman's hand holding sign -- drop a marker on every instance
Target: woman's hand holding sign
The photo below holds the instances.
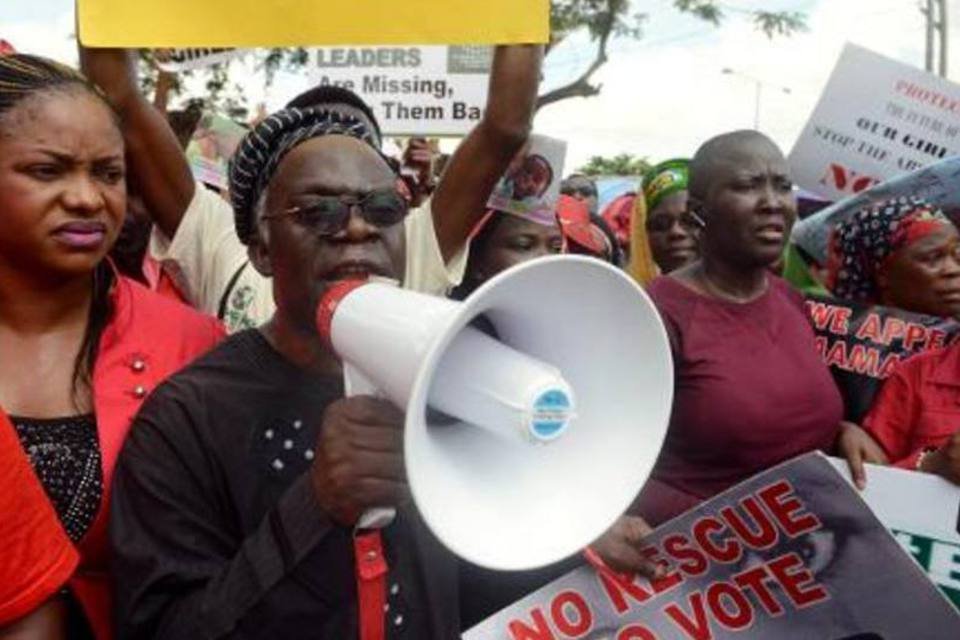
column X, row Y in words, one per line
column 859, row 448
column 621, row 548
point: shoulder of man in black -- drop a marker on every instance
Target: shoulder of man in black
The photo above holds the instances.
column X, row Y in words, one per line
column 231, row 390
column 215, row 527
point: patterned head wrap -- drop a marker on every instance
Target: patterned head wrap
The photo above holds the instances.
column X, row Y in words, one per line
column 861, row 245
column 260, row 153
column 664, row 180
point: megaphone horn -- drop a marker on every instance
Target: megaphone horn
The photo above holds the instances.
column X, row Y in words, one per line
column 480, row 381
column 544, row 432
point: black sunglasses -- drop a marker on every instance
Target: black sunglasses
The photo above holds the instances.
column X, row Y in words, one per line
column 329, row 215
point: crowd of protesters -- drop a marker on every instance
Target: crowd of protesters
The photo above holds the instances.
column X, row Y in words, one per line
column 177, row 456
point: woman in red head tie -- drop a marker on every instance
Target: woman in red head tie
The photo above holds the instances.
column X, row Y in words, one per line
column 904, row 253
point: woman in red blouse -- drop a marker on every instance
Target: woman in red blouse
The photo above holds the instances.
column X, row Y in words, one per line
column 80, row 346
column 916, row 415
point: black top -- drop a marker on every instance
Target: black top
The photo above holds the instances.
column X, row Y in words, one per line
column 65, row 454
column 216, row 531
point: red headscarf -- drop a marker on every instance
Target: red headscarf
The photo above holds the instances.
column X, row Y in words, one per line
column 618, row 214
column 580, row 234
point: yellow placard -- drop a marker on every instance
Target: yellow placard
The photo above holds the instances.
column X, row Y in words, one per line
column 277, row 23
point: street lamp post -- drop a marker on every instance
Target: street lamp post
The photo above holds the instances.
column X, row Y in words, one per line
column 758, row 86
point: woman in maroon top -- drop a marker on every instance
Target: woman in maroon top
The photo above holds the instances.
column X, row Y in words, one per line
column 751, row 390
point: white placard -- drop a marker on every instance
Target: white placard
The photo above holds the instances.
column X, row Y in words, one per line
column 531, row 186
column 877, row 119
column 428, row 91
column 175, row 60
column 923, row 512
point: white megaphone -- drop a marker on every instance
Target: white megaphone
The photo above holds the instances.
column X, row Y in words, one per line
column 524, row 446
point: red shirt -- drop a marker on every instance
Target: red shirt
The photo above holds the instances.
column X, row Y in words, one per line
column 37, row 556
column 751, row 392
column 918, row 406
column 148, row 339
column 160, row 281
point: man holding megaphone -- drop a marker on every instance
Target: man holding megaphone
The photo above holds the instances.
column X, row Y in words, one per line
column 236, row 495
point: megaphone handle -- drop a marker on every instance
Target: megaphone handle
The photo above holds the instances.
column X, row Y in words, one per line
column 356, row 384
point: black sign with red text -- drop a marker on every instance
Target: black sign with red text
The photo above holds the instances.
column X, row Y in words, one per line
column 862, row 344
column 792, row 554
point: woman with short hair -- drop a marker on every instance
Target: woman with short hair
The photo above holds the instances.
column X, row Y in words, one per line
column 751, row 390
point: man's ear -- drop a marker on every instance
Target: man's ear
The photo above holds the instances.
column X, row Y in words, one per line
column 260, row 255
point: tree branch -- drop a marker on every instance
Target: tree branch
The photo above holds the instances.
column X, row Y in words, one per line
column 581, row 87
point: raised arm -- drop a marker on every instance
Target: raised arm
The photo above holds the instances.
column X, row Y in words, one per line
column 157, row 166
column 476, row 166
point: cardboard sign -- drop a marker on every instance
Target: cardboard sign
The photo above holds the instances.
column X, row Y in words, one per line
column 877, row 119
column 923, row 512
column 939, row 184
column 791, row 554
column 175, row 60
column 414, row 91
column 531, row 187
column 862, row 344
column 277, row 23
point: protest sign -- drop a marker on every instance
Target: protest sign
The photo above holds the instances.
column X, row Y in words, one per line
column 254, row 23
column 422, row 91
column 791, row 554
column 862, row 344
column 211, row 147
column 923, row 512
column 531, row 186
column 877, row 119
column 939, row 184
column 175, row 60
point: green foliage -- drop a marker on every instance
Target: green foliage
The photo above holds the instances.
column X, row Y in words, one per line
column 603, row 19
column 613, row 17
column 599, row 17
column 783, row 24
column 624, row 164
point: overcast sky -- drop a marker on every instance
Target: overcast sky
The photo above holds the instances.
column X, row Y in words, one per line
column 662, row 95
